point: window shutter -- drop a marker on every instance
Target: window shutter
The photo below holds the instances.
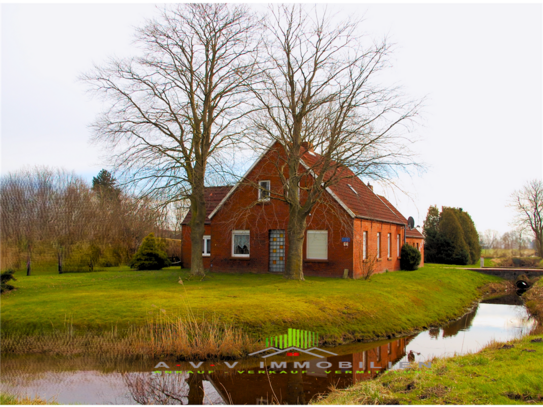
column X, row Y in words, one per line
column 317, row 244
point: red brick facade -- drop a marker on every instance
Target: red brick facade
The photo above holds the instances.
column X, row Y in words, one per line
column 241, row 210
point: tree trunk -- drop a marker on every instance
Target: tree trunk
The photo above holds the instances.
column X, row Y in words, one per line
column 196, row 389
column 295, row 386
column 295, row 233
column 28, row 266
column 539, row 244
column 197, row 228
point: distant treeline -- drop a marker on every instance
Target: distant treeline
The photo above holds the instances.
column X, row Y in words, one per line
column 450, row 237
column 52, row 217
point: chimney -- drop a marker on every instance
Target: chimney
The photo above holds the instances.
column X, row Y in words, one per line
column 370, row 187
column 308, row 146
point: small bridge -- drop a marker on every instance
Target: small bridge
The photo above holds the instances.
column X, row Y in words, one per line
column 510, row 274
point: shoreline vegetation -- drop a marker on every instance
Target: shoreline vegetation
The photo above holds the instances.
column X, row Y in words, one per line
column 8, row 399
column 501, row 373
column 165, row 313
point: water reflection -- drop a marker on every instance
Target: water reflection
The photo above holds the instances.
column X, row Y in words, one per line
column 493, row 320
column 293, row 385
column 112, row 381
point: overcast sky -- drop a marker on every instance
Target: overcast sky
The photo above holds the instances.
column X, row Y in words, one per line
column 479, row 66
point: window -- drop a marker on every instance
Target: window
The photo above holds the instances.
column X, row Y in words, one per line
column 240, row 243
column 417, row 246
column 398, row 246
column 389, row 246
column 206, row 246
column 317, row 244
column 365, row 246
column 264, row 190
column 378, row 245
column 389, row 349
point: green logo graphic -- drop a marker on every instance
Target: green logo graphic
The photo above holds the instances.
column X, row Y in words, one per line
column 295, row 337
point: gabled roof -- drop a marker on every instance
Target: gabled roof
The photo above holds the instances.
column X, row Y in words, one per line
column 356, row 195
column 213, row 197
column 350, row 192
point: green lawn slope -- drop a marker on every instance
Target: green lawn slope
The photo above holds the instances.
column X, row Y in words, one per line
column 259, row 304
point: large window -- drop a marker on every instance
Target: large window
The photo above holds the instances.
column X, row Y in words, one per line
column 206, row 246
column 389, row 246
column 264, row 190
column 398, row 245
column 365, row 246
column 378, row 245
column 240, row 243
column 317, row 244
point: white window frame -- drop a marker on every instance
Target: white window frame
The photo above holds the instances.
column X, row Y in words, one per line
column 307, row 244
column 398, row 244
column 378, row 245
column 389, row 246
column 241, row 232
column 204, row 246
column 364, row 245
column 260, row 190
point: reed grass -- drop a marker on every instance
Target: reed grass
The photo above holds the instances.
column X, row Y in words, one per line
column 183, row 337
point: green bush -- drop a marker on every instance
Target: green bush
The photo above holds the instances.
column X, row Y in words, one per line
column 4, row 278
column 82, row 258
column 111, row 257
column 150, row 255
column 410, row 258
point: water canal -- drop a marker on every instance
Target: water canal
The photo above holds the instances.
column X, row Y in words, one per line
column 87, row 380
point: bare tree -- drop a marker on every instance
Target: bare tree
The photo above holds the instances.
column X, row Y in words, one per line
column 320, row 90
column 175, row 108
column 490, row 239
column 52, row 216
column 528, row 203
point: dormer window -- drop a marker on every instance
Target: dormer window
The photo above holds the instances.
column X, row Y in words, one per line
column 354, row 190
column 264, row 190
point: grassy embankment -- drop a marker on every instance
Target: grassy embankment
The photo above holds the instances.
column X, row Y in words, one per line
column 129, row 312
column 498, row 374
column 6, row 399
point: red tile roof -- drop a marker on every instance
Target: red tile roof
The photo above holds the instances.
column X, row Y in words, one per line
column 357, row 196
column 213, row 196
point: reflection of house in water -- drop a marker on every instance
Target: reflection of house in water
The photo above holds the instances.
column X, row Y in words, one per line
column 298, row 388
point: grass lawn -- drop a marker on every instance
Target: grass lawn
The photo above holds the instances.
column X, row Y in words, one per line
column 259, row 304
column 496, row 375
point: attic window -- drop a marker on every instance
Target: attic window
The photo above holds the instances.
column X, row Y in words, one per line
column 264, row 190
column 350, row 186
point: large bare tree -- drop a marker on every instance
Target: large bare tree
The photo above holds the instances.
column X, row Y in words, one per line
column 174, row 108
column 321, row 89
column 528, row 203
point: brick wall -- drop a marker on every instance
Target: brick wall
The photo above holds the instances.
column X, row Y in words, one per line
column 382, row 262
column 244, row 212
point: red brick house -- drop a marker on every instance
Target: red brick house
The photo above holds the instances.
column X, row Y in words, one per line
column 352, row 228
